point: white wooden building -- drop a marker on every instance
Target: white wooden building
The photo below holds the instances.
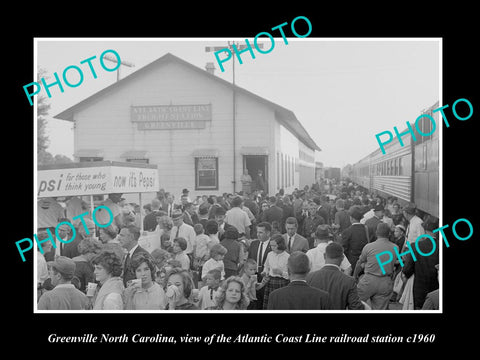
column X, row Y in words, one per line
column 180, row 117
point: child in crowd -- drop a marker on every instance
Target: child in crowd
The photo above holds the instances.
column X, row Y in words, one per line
column 208, row 293
column 179, row 246
column 249, row 278
column 217, row 253
column 200, row 253
column 165, row 243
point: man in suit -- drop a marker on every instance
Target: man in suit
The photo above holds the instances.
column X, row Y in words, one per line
column 298, row 295
column 341, row 288
column 294, row 241
column 128, row 238
column 354, row 238
column 311, row 223
column 273, row 213
column 168, row 206
column 258, row 251
column 322, row 208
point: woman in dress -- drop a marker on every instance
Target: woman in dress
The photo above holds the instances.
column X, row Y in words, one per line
column 275, row 267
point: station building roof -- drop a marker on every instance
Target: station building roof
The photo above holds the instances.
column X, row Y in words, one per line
column 285, row 116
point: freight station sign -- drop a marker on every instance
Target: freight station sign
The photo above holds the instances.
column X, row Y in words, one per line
column 168, row 117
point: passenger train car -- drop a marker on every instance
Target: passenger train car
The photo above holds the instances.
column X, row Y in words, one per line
column 410, row 172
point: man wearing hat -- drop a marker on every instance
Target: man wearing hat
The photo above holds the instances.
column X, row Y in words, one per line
column 235, row 253
column 64, row 296
column 372, row 223
column 376, row 285
column 414, row 228
column 316, row 255
column 185, row 193
column 181, row 229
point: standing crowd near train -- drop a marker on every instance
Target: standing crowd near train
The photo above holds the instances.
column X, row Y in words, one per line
column 314, row 249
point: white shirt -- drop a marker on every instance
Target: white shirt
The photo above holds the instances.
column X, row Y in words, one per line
column 317, row 260
column 186, row 231
column 207, row 298
column 211, row 264
column 279, row 261
column 290, row 241
column 42, row 268
column 261, row 251
column 414, row 229
column 369, row 214
column 238, row 218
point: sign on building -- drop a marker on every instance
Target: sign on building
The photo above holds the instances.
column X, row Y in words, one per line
column 168, row 117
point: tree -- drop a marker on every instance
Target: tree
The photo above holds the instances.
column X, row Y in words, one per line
column 43, row 107
column 42, row 111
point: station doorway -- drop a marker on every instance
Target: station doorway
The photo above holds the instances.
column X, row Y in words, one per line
column 254, row 163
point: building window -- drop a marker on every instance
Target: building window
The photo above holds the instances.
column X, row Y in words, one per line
column 90, row 158
column 206, row 173
column 141, row 161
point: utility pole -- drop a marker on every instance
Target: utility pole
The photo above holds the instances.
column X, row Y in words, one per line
column 230, row 47
column 122, row 62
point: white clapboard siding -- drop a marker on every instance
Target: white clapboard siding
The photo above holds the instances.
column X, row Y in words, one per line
column 105, row 124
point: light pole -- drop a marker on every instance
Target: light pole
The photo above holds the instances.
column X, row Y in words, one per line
column 232, row 51
column 122, row 62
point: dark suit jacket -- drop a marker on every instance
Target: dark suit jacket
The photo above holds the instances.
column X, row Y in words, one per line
column 298, row 295
column 128, row 271
column 253, row 252
column 71, row 249
column 299, row 243
column 424, row 270
column 354, row 238
column 341, row 288
column 324, row 213
column 221, row 234
column 372, row 224
column 150, row 222
column 67, row 249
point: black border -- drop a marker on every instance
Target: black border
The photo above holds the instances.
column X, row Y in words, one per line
column 456, row 25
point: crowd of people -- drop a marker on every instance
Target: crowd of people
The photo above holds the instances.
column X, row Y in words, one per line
column 314, row 249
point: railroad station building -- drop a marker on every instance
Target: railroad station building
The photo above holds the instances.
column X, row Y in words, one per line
column 181, row 118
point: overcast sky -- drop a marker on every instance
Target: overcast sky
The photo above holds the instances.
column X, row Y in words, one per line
column 343, row 91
